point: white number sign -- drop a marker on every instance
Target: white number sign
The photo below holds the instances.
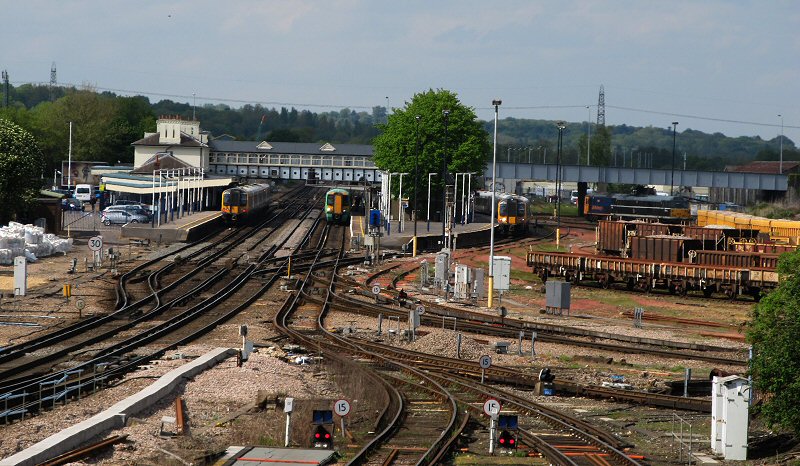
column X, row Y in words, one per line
column 491, row 407
column 95, row 243
column 420, row 309
column 376, row 289
column 342, row 407
column 485, row 361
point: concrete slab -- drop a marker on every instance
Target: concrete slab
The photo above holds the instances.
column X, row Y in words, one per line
column 283, row 456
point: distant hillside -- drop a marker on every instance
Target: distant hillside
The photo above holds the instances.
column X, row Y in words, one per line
column 106, row 124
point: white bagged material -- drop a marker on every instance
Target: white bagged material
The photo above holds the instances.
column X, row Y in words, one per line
column 31, row 241
column 30, row 256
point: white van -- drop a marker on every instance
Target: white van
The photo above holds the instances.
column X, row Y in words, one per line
column 83, row 192
column 573, row 195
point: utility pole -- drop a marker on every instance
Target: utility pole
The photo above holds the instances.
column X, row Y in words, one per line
column 446, row 115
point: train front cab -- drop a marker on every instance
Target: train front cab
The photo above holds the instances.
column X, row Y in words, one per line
column 337, row 207
column 232, row 202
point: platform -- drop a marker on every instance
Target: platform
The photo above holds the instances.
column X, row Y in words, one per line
column 186, row 228
column 427, row 240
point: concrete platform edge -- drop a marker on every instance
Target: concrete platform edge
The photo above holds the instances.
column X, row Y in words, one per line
column 115, row 416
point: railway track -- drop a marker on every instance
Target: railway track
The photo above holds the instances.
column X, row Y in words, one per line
column 469, row 393
column 26, row 395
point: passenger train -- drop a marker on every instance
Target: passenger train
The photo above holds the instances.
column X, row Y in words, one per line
column 665, row 209
column 244, row 201
column 512, row 212
column 338, row 202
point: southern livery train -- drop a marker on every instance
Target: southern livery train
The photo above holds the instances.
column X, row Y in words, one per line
column 337, row 206
column 512, row 212
column 665, row 209
column 243, row 201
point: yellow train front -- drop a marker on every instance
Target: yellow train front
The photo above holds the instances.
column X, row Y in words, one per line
column 337, row 206
column 513, row 214
column 244, row 201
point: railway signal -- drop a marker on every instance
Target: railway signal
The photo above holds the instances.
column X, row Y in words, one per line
column 322, row 438
column 506, row 440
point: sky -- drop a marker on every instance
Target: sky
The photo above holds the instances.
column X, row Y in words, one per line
column 715, row 66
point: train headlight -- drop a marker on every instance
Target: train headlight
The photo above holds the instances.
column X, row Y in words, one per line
column 502, row 220
column 328, row 209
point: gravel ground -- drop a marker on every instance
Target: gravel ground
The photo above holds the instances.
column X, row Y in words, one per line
column 225, row 389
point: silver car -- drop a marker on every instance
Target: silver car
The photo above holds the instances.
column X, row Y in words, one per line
column 131, row 209
column 118, row 217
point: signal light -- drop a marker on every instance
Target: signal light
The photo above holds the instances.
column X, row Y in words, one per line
column 322, row 438
column 506, row 440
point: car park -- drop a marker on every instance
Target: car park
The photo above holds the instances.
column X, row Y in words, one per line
column 121, row 217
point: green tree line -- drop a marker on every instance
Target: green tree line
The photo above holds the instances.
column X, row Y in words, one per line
column 105, row 124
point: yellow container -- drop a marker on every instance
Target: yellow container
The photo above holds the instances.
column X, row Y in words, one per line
column 761, row 224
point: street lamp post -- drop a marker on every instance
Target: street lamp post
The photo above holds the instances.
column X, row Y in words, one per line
column 428, row 217
column 416, row 181
column 496, row 103
column 589, row 137
column 561, row 125
column 446, row 115
column 400, row 213
column 672, row 177
column 780, row 164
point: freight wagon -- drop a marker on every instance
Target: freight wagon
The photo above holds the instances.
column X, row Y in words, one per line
column 674, row 277
column 787, row 231
column 616, row 237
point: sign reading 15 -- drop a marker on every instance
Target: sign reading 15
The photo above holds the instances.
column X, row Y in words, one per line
column 342, row 407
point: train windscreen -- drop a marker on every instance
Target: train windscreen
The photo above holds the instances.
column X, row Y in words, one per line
column 502, row 209
column 230, row 198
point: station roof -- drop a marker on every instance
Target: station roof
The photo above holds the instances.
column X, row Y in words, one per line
column 301, row 148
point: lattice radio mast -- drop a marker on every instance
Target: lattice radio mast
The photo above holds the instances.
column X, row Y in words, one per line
column 52, row 80
column 601, row 107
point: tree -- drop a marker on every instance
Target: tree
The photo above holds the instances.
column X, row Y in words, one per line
column 774, row 333
column 20, row 168
column 395, row 148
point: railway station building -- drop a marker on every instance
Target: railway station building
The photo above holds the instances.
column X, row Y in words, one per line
column 180, row 154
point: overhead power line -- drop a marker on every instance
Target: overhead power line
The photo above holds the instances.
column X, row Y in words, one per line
column 365, row 107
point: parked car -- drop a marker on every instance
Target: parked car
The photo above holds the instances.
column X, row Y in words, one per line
column 126, row 202
column 70, row 203
column 119, row 216
column 131, row 209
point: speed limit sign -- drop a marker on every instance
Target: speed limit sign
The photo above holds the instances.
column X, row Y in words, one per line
column 420, row 309
column 491, row 407
column 376, row 289
column 341, row 407
column 485, row 361
column 95, row 243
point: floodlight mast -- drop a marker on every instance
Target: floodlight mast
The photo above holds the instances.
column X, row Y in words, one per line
column 496, row 103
